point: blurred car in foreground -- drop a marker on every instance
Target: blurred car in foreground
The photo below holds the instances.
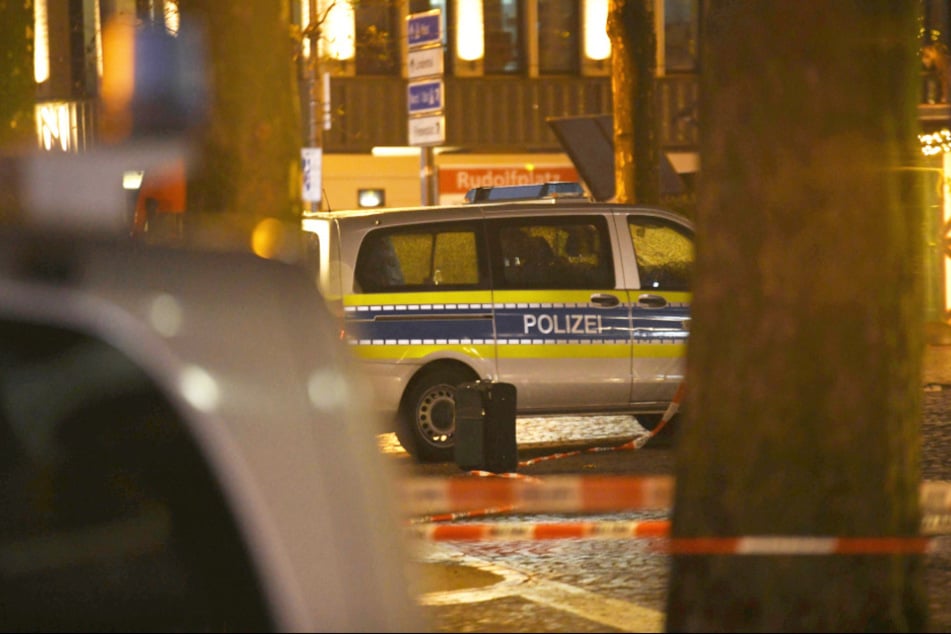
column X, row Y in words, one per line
column 180, row 448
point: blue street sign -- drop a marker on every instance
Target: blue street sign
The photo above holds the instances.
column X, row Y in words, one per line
column 425, row 96
column 424, row 28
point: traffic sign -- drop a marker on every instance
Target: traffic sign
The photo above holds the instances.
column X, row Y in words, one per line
column 425, row 92
column 424, row 62
column 427, row 130
column 311, row 174
column 425, row 96
column 424, row 28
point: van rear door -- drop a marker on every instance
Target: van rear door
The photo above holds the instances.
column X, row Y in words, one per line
column 658, row 252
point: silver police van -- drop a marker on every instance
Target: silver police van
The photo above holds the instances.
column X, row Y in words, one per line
column 583, row 306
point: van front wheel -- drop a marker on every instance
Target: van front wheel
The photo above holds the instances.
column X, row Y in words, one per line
column 427, row 420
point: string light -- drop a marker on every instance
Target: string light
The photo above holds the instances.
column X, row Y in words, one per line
column 936, row 142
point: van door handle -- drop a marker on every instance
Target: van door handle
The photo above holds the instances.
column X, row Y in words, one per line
column 605, row 299
column 651, row 301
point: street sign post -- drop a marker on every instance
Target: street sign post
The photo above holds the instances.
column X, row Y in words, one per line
column 311, row 159
column 424, row 29
column 425, row 94
column 425, row 97
column 427, row 130
column 425, row 62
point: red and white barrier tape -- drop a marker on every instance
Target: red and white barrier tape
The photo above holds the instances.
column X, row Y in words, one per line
column 797, row 545
column 553, row 494
column 634, row 443
column 669, row 413
column 449, row 517
column 575, row 494
column 532, row 531
column 617, row 529
column 507, row 474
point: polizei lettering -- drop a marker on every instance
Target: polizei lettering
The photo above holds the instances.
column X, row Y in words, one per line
column 562, row 324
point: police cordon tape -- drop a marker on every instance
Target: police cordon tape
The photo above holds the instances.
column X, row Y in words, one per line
column 800, row 545
column 552, row 494
column 635, row 443
column 619, row 529
column 591, row 494
column 531, row 530
column 500, row 493
column 576, row 494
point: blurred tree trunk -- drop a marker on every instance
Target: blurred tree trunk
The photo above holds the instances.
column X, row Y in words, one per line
column 633, row 62
column 248, row 163
column 17, row 88
column 803, row 405
column 17, row 99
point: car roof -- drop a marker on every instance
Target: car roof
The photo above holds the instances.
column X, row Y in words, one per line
column 545, row 207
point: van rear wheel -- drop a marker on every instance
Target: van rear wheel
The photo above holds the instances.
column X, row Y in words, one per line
column 427, row 421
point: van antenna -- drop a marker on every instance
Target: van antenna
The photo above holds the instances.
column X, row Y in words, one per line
column 324, row 191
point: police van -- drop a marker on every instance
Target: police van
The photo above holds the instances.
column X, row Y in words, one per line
column 583, row 306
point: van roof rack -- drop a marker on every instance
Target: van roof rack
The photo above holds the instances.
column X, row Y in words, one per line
column 554, row 189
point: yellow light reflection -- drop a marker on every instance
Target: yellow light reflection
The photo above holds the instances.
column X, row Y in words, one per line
column 118, row 75
column 165, row 314
column 199, row 388
column 269, row 238
column 41, row 42
column 304, row 23
column 946, row 165
column 132, row 179
column 469, row 30
column 337, row 30
column 597, row 45
column 936, row 142
column 97, row 37
column 56, row 125
column 172, row 17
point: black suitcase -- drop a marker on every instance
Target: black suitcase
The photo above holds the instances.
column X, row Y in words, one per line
column 485, row 427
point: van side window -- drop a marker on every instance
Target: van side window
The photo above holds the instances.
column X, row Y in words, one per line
column 664, row 252
column 570, row 252
column 419, row 258
column 378, row 267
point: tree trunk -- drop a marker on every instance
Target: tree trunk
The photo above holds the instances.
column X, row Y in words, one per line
column 804, row 388
column 17, row 100
column 633, row 61
column 17, row 88
column 248, row 163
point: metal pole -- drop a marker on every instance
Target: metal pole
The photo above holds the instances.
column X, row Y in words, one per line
column 427, row 176
column 433, row 177
column 314, row 128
